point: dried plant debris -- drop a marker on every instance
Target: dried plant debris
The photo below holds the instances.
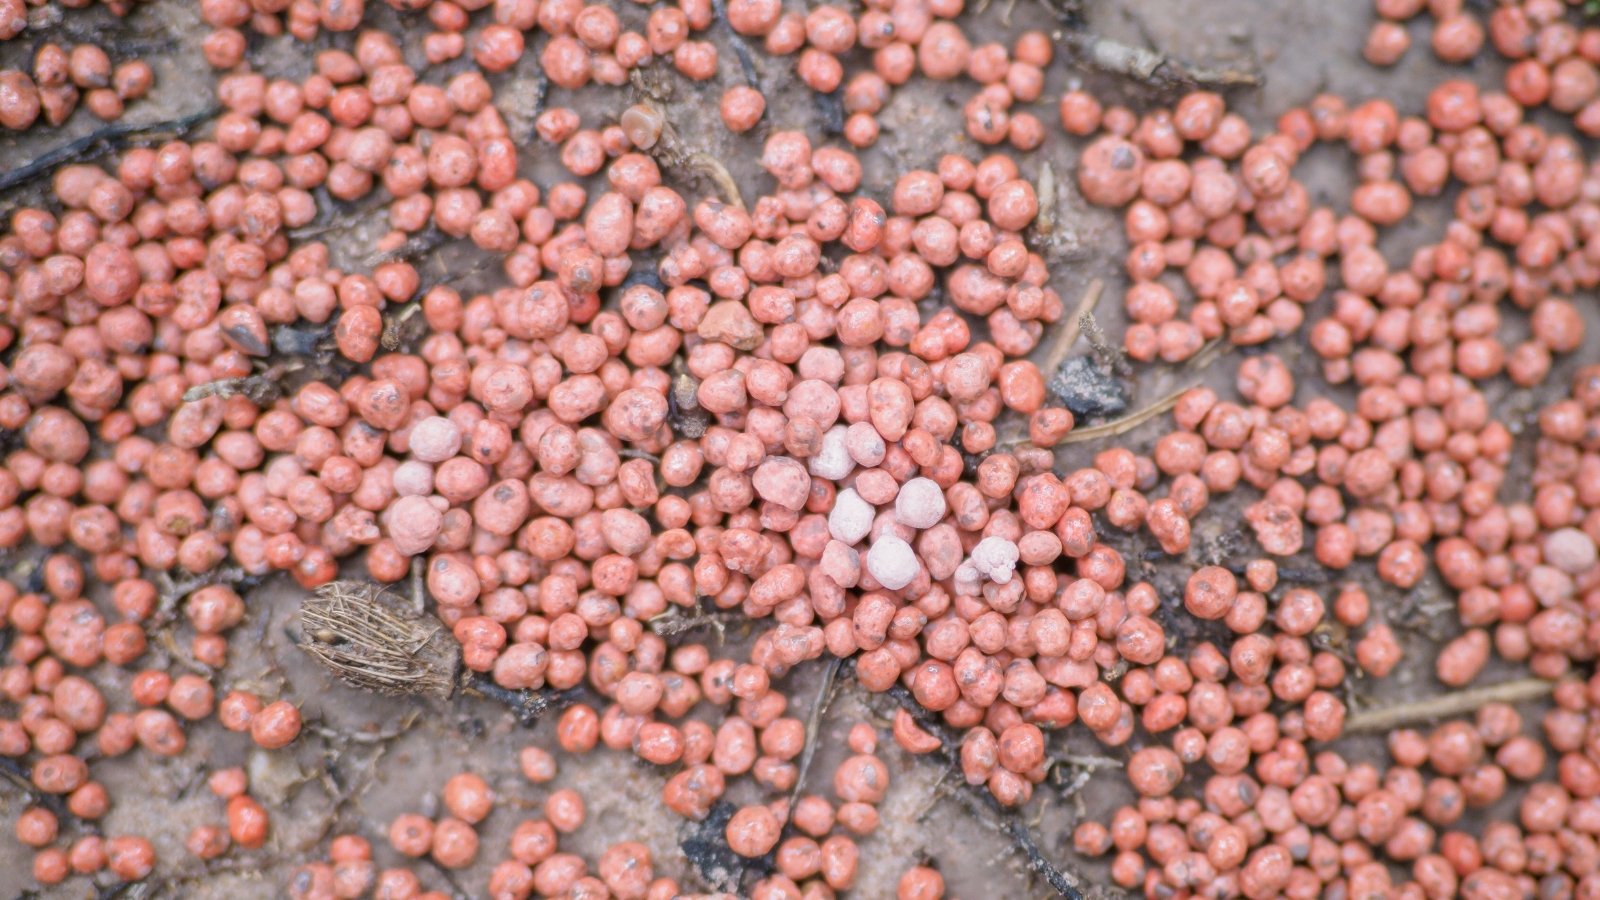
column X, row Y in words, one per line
column 375, row 640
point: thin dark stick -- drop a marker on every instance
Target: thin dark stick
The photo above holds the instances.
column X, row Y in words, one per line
column 979, row 799
column 830, row 679
column 528, row 706
column 747, row 65
column 98, row 141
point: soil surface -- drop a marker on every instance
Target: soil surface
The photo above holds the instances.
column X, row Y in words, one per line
column 364, row 759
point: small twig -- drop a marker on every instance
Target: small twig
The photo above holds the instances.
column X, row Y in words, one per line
column 1062, row 343
column 1428, row 709
column 1110, row 356
column 1150, row 66
column 1045, row 222
column 1068, row 12
column 676, row 621
column 1207, row 354
column 261, row 389
column 417, row 245
column 1126, row 423
column 100, row 141
column 830, row 680
column 979, row 800
column 719, row 175
column 419, row 597
column 459, row 892
column 392, row 337
column 14, row 773
column 1090, row 761
column 747, row 66
column 528, row 706
column 359, row 737
column 169, row 642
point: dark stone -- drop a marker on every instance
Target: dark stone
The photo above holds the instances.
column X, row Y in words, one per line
column 645, row 275
column 705, row 844
column 297, row 341
column 1087, row 390
column 830, row 109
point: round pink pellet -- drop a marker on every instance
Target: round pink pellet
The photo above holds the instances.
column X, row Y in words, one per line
column 920, row 503
column 435, row 439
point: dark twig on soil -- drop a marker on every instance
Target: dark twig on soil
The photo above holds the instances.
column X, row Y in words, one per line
column 1068, row 12
column 101, row 140
column 819, row 709
column 1149, row 66
column 529, row 706
column 1067, row 335
column 261, row 389
column 12, row 771
column 333, row 216
column 747, row 65
column 1107, row 354
column 979, row 800
column 414, row 246
column 1428, row 709
column 458, row 892
column 1072, row 774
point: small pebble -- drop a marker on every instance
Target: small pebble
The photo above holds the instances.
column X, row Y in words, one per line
column 1570, row 550
column 851, row 517
column 995, row 558
column 893, row 563
column 832, row 461
column 920, row 503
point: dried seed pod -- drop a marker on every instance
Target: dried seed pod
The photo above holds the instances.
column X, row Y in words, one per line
column 374, row 640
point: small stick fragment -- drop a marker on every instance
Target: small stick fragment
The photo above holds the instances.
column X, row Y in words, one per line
column 1045, row 222
column 413, row 247
column 677, row 620
column 830, row 679
column 393, row 336
column 1428, row 709
column 1061, row 345
column 1149, row 66
column 13, row 772
column 1207, row 354
column 978, row 799
column 99, row 141
column 529, row 706
column 747, row 65
column 261, row 389
column 1126, row 423
column 1110, row 356
column 718, row 173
